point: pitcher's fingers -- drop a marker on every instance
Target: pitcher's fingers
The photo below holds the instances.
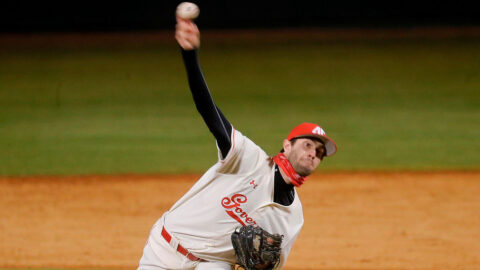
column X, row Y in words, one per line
column 188, row 46
column 193, row 40
column 184, row 42
column 184, row 22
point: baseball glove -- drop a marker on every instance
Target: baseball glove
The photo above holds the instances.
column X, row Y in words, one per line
column 256, row 248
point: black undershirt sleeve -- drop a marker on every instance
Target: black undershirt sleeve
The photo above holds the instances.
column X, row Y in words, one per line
column 283, row 193
column 213, row 117
column 217, row 123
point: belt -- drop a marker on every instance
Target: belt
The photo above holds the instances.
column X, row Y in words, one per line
column 180, row 249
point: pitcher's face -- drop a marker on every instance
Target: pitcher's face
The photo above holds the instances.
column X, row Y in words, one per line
column 304, row 154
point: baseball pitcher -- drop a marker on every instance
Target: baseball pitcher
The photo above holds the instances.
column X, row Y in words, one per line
column 245, row 209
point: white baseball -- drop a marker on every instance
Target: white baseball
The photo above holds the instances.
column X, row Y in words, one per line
column 187, row 10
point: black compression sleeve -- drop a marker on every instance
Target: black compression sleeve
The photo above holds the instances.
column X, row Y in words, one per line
column 213, row 117
column 283, row 193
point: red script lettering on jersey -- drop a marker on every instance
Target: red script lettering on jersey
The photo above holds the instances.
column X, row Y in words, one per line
column 235, row 211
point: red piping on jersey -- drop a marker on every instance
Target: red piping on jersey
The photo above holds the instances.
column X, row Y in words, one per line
column 285, row 165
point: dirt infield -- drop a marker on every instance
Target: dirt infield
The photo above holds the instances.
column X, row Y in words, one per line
column 352, row 220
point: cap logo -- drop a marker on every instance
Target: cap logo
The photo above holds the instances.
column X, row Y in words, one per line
column 319, row 131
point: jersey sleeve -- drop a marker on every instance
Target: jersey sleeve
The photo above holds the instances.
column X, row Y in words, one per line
column 243, row 156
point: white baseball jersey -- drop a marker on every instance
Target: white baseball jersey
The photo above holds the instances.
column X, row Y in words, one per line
column 237, row 190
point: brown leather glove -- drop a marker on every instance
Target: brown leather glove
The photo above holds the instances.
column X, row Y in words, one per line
column 256, row 248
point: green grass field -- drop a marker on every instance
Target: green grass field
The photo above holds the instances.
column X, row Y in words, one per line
column 409, row 104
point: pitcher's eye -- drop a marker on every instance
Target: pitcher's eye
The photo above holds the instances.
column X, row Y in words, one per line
column 321, row 153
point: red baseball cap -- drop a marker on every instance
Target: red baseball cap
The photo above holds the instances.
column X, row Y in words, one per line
column 309, row 130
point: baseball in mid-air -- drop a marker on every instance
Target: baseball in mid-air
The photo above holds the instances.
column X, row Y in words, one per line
column 187, row 10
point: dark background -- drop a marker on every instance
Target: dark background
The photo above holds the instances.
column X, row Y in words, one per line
column 94, row 16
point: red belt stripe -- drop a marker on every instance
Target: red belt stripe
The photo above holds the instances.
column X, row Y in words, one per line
column 180, row 249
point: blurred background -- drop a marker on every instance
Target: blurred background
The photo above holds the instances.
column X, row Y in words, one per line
column 34, row 16
column 98, row 87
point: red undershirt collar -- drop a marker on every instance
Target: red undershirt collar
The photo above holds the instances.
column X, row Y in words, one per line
column 282, row 162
